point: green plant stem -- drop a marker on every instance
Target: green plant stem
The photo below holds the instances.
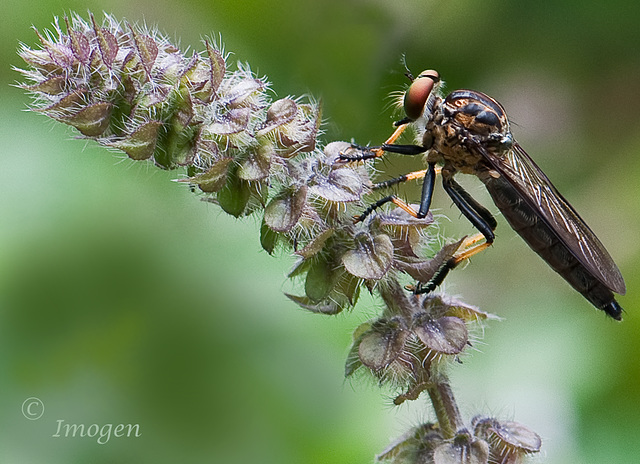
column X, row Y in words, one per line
column 445, row 407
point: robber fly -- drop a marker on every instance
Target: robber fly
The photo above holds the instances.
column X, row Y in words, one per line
column 468, row 132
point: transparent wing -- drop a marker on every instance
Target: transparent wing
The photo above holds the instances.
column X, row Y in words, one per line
column 538, row 191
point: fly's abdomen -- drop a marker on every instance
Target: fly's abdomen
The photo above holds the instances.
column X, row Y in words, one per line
column 526, row 221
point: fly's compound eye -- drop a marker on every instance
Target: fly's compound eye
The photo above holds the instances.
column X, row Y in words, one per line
column 418, row 93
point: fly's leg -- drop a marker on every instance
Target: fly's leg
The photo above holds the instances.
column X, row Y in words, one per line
column 471, row 246
column 389, row 199
column 479, row 216
column 367, row 153
column 429, row 175
column 410, row 150
column 400, row 179
column 427, row 190
column 400, row 128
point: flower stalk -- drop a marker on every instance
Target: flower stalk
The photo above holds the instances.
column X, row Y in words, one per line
column 445, row 407
column 130, row 89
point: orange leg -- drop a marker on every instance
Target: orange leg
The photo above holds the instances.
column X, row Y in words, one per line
column 404, row 205
column 403, row 178
column 470, row 246
column 392, row 198
column 396, row 134
column 378, row 152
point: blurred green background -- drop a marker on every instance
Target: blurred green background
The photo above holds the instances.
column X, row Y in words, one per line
column 123, row 299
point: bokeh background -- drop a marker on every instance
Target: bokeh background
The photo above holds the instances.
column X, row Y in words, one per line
column 124, row 299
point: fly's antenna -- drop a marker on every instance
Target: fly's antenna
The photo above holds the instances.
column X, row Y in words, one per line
column 407, row 71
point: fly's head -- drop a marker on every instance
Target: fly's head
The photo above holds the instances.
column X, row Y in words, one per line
column 478, row 118
column 421, row 95
column 420, row 101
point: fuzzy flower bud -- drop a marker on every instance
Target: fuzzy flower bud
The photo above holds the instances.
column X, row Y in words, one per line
column 492, row 441
column 511, row 442
column 405, row 349
column 426, row 445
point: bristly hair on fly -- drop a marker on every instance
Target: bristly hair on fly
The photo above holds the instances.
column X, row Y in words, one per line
column 395, row 101
column 396, row 98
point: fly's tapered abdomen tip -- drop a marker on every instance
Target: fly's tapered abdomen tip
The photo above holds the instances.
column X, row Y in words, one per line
column 614, row 310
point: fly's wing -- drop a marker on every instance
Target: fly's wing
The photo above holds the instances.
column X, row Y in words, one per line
column 538, row 191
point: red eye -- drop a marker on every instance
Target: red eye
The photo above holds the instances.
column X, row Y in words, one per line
column 418, row 93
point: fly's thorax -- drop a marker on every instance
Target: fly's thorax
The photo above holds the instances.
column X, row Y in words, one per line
column 449, row 144
column 479, row 117
column 464, row 128
column 477, row 112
